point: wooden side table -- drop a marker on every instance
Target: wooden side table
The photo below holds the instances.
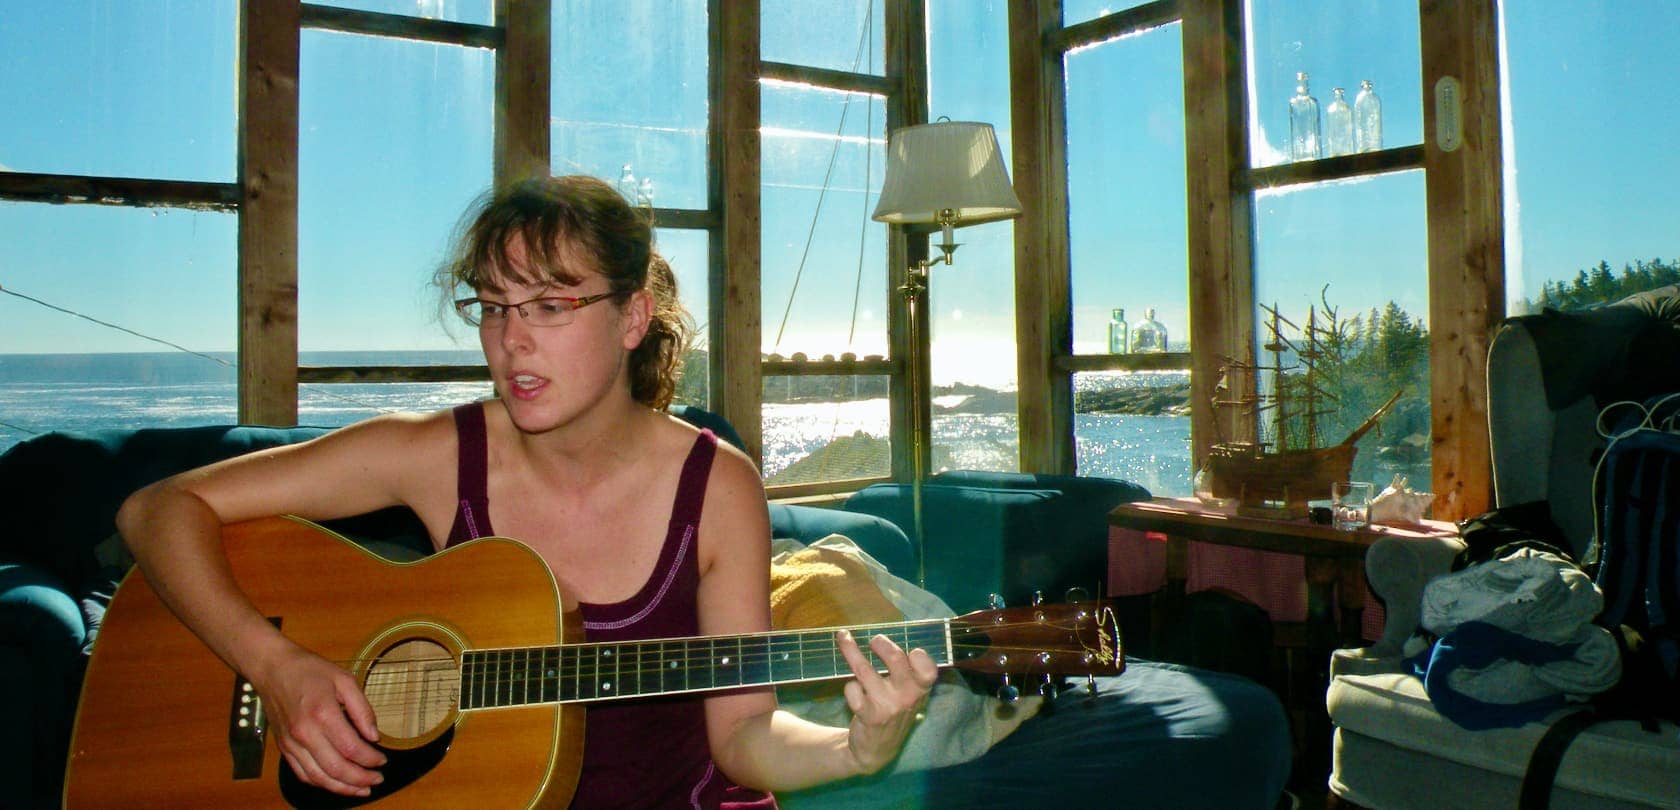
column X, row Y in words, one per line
column 1335, row 569
column 1335, row 559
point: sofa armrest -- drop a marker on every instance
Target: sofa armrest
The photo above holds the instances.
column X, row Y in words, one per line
column 1398, row 568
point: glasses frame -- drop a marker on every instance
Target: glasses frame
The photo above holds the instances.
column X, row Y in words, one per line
column 573, row 304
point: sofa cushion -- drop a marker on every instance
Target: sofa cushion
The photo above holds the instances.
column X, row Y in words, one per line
column 1615, row 760
column 878, row 537
column 72, row 483
column 979, row 540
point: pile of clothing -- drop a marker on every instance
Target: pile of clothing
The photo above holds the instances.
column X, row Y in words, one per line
column 1514, row 639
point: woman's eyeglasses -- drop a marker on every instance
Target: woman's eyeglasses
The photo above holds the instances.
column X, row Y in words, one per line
column 549, row 310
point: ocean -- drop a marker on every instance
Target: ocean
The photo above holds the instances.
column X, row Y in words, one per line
column 41, row 393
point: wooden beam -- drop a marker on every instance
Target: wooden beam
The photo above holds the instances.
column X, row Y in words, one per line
column 911, row 406
column 399, row 26
column 1220, row 218
column 392, row 374
column 827, row 78
column 1148, row 361
column 735, row 301
column 1043, row 299
column 522, row 84
column 1110, row 26
column 1363, row 164
column 1464, row 190
column 124, row 191
column 268, row 220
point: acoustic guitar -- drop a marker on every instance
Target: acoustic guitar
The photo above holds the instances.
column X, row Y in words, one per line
column 479, row 691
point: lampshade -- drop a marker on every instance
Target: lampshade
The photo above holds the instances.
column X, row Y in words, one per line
column 952, row 165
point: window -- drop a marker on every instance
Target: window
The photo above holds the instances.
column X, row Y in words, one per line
column 116, row 314
column 971, row 303
column 1590, row 165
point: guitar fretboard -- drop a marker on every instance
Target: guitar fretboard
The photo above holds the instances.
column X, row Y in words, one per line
column 610, row 670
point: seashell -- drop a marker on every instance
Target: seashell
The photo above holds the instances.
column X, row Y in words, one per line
column 1399, row 504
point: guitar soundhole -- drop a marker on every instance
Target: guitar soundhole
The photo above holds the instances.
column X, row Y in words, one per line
column 414, row 687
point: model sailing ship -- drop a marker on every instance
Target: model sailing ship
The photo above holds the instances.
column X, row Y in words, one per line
column 1279, row 461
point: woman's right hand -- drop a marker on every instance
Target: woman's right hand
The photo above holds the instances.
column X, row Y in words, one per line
column 321, row 722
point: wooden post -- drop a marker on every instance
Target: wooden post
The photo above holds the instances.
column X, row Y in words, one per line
column 1464, row 190
column 906, row 65
column 1220, row 219
column 522, row 90
column 1043, row 298
column 268, row 222
column 735, row 301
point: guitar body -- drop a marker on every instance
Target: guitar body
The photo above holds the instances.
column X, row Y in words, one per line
column 159, row 723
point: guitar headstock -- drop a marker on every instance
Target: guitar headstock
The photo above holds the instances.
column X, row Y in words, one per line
column 1078, row 638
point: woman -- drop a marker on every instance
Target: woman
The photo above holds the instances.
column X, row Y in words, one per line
column 582, row 332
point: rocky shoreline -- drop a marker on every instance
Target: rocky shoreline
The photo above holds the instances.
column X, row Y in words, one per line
column 1165, row 400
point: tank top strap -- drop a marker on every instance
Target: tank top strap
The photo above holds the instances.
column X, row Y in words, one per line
column 472, row 473
column 691, row 486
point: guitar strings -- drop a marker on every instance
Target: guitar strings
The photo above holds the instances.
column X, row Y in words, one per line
column 499, row 680
column 501, row 690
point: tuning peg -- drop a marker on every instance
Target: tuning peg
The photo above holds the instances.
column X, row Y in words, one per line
column 1076, row 594
column 996, row 601
column 1007, row 692
column 1091, row 684
column 1048, row 687
column 1038, row 598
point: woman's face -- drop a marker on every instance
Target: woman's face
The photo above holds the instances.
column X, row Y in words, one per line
column 549, row 376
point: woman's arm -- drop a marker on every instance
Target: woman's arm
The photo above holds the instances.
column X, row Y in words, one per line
column 174, row 527
column 756, row 744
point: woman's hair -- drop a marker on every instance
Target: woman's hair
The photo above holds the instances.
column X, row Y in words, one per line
column 556, row 218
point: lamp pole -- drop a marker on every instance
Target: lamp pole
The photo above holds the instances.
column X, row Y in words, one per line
column 915, row 290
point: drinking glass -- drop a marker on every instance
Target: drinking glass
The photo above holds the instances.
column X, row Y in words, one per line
column 1350, row 505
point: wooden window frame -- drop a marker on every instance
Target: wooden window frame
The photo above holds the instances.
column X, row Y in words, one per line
column 1463, row 197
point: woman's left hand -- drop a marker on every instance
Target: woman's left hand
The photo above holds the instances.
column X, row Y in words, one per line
column 884, row 708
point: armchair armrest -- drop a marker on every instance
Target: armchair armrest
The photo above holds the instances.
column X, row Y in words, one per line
column 1397, row 569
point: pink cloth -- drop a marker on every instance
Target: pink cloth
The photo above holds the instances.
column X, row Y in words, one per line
column 1277, row 582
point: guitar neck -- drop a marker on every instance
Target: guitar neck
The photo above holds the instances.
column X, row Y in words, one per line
column 615, row 670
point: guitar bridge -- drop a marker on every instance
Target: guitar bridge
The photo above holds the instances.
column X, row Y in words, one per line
column 247, row 727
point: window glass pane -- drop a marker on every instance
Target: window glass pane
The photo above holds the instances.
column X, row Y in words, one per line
column 1336, row 45
column 1591, row 166
column 850, row 40
column 629, row 96
column 971, row 303
column 1127, row 227
column 824, row 273
column 1352, row 256
column 116, row 88
column 168, row 275
column 477, row 12
column 394, row 144
column 825, row 428
column 1134, row 426
column 689, row 257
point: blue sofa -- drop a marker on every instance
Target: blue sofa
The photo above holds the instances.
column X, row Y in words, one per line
column 1157, row 736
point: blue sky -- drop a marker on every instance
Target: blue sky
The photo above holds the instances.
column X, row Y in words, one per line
column 395, row 142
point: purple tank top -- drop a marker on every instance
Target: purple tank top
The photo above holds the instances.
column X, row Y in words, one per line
column 645, row 752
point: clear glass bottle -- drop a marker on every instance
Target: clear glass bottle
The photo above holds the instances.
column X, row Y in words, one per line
column 1338, row 124
column 1367, row 118
column 627, row 183
column 1303, row 122
column 644, row 193
column 1150, row 335
column 1119, row 333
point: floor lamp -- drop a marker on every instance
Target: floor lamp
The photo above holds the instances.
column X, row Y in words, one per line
column 948, row 174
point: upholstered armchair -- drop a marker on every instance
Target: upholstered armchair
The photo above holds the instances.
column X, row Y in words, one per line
column 1548, row 376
